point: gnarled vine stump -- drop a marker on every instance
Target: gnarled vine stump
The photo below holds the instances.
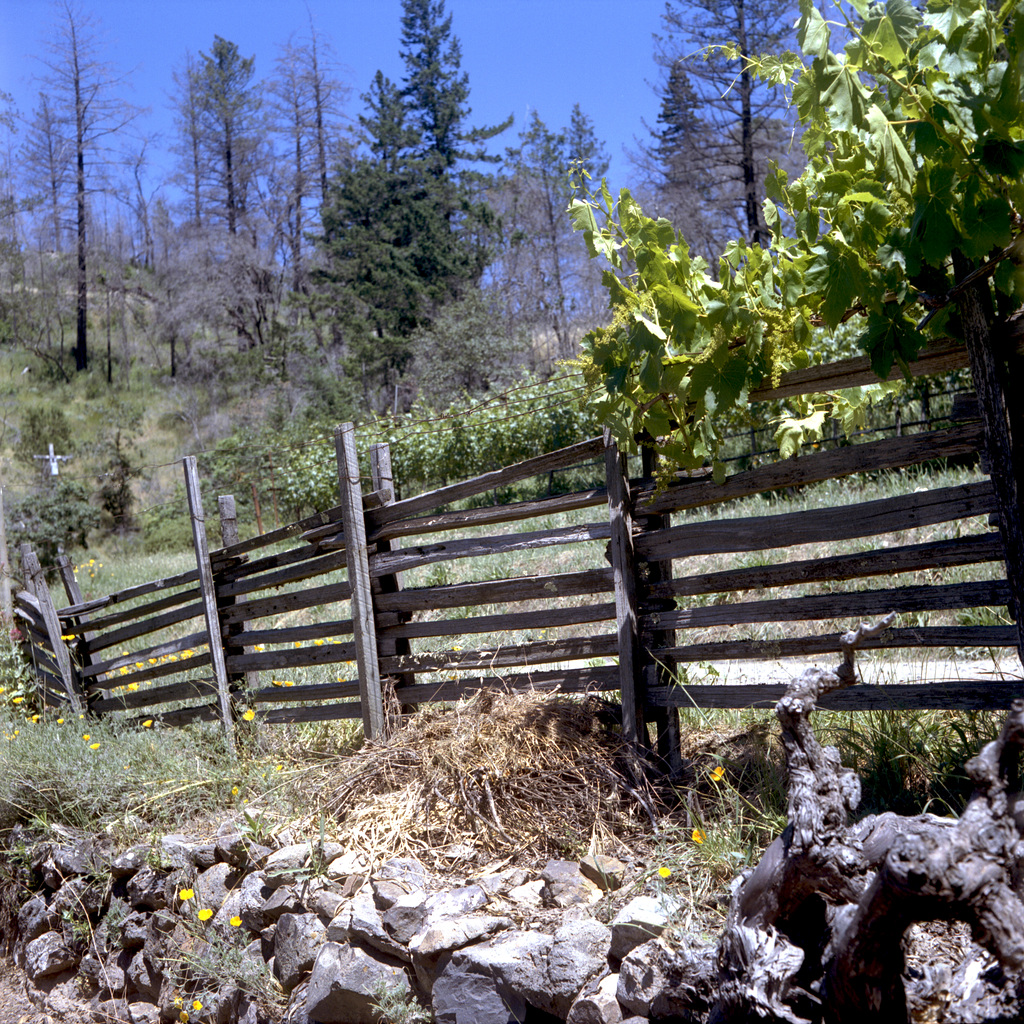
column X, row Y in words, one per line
column 816, row 931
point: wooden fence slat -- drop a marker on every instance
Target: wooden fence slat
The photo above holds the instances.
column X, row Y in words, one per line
column 363, row 626
column 293, row 657
column 564, row 458
column 185, row 689
column 976, row 695
column 167, row 668
column 310, row 597
column 529, row 588
column 829, row 643
column 341, row 690
column 161, row 650
column 939, row 357
column 118, row 637
column 624, row 575
column 516, row 512
column 890, row 453
column 387, row 563
column 971, row 550
column 293, row 634
column 514, row 655
column 296, row 716
column 865, row 519
column 198, row 517
column 841, row 606
column 34, row 577
column 565, row 681
column 130, row 593
column 302, row 569
column 549, row 617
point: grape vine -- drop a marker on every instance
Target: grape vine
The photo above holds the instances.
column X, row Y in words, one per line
column 914, row 136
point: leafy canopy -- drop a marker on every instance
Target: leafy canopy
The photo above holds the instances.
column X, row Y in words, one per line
column 914, row 134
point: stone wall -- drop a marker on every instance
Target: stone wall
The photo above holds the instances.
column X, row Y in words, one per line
column 229, row 930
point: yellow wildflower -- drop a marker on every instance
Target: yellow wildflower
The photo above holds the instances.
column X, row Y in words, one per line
column 697, row 836
column 86, row 737
column 664, row 872
column 196, row 1005
column 234, row 791
column 718, row 774
column 60, row 721
column 205, row 914
column 186, row 894
column 249, row 715
column 148, row 723
column 17, row 700
column 235, row 922
column 94, row 746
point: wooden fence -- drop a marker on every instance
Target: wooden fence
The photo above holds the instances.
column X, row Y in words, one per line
column 332, row 591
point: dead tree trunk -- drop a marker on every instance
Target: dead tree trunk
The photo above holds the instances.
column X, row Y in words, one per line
column 816, row 931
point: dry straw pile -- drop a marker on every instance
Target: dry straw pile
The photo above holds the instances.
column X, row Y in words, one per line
column 523, row 774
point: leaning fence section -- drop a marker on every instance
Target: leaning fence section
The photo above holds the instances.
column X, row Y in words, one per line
column 625, row 587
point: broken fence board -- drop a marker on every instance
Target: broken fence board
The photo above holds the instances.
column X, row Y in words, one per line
column 842, row 605
column 865, row 519
column 891, row 453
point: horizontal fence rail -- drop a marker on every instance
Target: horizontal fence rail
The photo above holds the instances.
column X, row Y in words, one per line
column 376, row 599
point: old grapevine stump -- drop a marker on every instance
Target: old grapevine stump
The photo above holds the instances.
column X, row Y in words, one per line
column 816, row 931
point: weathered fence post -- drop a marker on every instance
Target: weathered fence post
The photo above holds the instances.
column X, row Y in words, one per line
column 229, row 536
column 6, row 608
column 624, row 574
column 206, row 587
column 666, row 719
column 363, row 626
column 36, row 582
column 384, row 481
column 74, row 593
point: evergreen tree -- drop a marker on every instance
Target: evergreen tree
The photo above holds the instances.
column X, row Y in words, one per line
column 406, row 230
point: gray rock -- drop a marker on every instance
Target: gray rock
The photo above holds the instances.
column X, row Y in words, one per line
column 597, row 1003
column 113, row 977
column 360, row 921
column 284, row 900
column 655, row 981
column 450, row 934
column 297, row 942
column 565, row 886
column 77, row 897
column 148, row 888
column 205, row 855
column 48, row 955
column 578, row 953
column 484, row 984
column 232, row 848
column 397, row 877
column 134, row 930
column 342, row 982
column 34, row 918
column 111, row 1011
column 502, row 882
column 326, row 904
column 144, row 975
column 406, row 916
column 214, row 884
column 640, row 920
column 298, row 860
column 129, row 862
column 175, row 851
column 606, row 873
column 144, row 1013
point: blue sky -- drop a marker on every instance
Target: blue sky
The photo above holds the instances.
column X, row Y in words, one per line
column 520, row 55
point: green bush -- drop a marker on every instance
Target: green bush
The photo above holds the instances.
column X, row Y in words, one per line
column 55, row 520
